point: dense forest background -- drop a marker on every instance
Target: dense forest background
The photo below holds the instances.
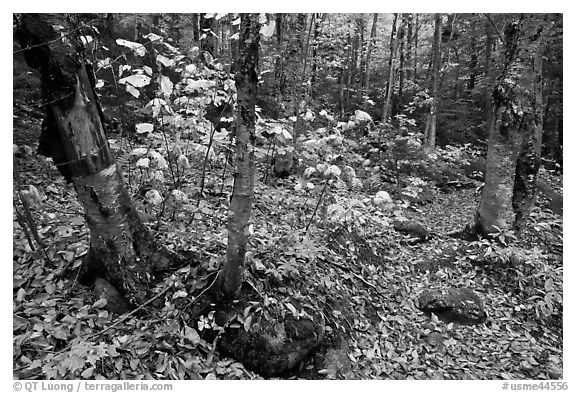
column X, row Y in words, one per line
column 304, row 195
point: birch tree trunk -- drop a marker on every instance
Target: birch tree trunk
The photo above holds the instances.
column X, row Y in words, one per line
column 121, row 248
column 241, row 204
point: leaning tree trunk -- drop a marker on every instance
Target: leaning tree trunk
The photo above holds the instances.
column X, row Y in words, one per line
column 121, row 249
column 430, row 131
column 515, row 138
column 241, row 205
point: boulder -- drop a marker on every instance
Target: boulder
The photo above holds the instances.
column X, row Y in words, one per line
column 332, row 360
column 459, row 305
column 283, row 162
column 417, row 231
column 272, row 347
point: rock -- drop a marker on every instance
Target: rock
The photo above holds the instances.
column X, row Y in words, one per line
column 459, row 305
column 435, row 339
column 414, row 229
column 337, row 363
column 275, row 347
column 330, row 359
column 283, row 162
column 554, row 372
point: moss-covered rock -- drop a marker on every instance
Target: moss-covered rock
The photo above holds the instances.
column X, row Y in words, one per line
column 272, row 348
column 459, row 305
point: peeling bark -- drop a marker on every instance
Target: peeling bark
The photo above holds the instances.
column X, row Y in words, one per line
column 121, row 249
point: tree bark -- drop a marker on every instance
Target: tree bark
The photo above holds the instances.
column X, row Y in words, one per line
column 366, row 79
column 305, row 54
column 473, row 65
column 208, row 43
column 430, row 131
column 488, row 107
column 401, row 69
column 514, row 145
column 241, row 204
column 360, row 57
column 392, row 71
column 196, row 27
column 317, row 23
column 530, row 151
column 416, row 48
column 279, row 66
column 121, row 248
column 410, row 28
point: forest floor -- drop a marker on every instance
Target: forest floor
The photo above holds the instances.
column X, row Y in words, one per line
column 358, row 272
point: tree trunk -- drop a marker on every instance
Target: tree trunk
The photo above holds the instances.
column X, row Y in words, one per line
column 121, row 248
column 175, row 28
column 341, row 94
column 416, row 48
column 360, row 57
column 317, row 20
column 366, row 79
column 207, row 38
column 402, row 49
column 241, row 204
column 529, row 160
column 279, row 66
column 457, row 76
column 410, row 28
column 514, row 145
column 392, row 71
column 430, row 132
column 196, row 27
column 473, row 65
column 108, row 30
column 349, row 70
column 305, row 54
column 488, row 107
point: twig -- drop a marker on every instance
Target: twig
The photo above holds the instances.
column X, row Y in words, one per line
column 22, row 222
column 204, row 290
column 317, row 205
column 495, row 28
column 56, row 39
column 26, row 206
column 124, row 318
